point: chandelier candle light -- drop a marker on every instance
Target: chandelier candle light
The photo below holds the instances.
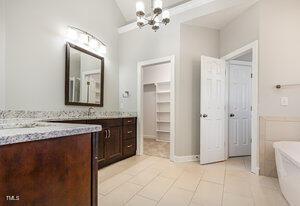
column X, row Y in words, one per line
column 153, row 20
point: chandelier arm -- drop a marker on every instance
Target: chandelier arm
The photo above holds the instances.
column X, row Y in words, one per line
column 156, row 15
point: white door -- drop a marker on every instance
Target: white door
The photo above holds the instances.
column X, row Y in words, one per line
column 239, row 109
column 212, row 100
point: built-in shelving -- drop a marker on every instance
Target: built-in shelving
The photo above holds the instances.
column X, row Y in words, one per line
column 163, row 103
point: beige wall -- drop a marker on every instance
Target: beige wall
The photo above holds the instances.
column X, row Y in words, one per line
column 2, row 55
column 241, row 31
column 279, row 36
column 194, row 42
column 35, row 50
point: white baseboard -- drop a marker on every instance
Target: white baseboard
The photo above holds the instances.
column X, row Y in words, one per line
column 192, row 158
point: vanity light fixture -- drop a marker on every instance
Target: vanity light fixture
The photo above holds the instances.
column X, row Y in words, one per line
column 155, row 20
column 85, row 39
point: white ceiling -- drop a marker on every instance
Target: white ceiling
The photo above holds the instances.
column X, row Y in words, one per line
column 220, row 19
column 127, row 7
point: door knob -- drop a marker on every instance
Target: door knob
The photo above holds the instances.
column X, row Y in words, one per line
column 231, row 115
column 203, row 115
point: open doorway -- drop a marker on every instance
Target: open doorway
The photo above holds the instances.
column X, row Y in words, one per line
column 156, row 107
column 239, row 107
column 229, row 95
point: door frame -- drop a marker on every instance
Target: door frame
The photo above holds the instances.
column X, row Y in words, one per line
column 140, row 105
column 254, row 118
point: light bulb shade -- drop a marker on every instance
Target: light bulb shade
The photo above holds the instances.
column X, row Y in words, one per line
column 157, row 4
column 166, row 17
column 84, row 39
column 140, row 8
column 157, row 7
column 140, row 22
column 155, row 27
column 102, row 49
column 72, row 34
column 93, row 43
column 166, row 14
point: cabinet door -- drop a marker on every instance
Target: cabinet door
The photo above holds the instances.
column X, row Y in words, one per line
column 113, row 143
column 101, row 145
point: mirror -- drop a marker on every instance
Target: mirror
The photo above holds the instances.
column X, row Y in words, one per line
column 84, row 77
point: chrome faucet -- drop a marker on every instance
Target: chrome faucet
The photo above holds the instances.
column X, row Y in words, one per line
column 91, row 111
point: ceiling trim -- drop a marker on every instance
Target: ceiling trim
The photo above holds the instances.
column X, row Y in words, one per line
column 173, row 11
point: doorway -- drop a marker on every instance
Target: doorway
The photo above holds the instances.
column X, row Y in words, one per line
column 229, row 95
column 156, row 107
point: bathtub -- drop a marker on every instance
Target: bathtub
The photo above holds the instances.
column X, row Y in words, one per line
column 287, row 156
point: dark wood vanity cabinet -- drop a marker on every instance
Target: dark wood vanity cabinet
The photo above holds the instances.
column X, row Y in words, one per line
column 117, row 140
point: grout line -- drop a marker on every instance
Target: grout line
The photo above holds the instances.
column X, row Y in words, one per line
column 197, row 188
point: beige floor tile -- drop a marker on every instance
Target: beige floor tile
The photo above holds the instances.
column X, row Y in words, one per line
column 235, row 164
column 214, row 174
column 208, row 194
column 230, row 199
column 112, row 183
column 140, row 201
column 176, row 197
column 144, row 177
column 238, row 186
column 117, row 168
column 238, row 173
column 120, row 195
column 157, row 188
column 100, row 198
column 265, row 197
column 194, row 167
column 139, row 167
column 188, row 181
column 263, row 181
column 172, row 171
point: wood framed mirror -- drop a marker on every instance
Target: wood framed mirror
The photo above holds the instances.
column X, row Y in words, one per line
column 84, row 77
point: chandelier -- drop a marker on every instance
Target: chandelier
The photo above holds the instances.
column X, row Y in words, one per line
column 154, row 20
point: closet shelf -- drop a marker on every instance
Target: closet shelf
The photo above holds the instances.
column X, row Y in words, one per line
column 162, row 121
column 163, row 102
column 163, row 111
column 165, row 131
column 163, row 92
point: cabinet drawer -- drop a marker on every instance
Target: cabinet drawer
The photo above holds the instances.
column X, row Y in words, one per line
column 129, row 147
column 106, row 122
column 128, row 121
column 129, row 131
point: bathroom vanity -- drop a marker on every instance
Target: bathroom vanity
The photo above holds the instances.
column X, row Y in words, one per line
column 48, row 164
column 116, row 141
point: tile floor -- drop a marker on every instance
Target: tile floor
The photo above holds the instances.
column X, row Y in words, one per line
column 156, row 148
column 149, row 181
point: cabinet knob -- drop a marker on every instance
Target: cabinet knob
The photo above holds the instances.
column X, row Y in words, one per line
column 129, row 121
column 129, row 146
column 96, row 158
column 129, row 132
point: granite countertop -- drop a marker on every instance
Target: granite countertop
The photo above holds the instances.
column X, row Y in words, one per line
column 18, row 126
column 11, row 133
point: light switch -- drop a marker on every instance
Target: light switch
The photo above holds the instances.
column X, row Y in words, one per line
column 284, row 101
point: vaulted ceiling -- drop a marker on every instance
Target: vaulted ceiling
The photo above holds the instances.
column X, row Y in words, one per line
column 127, row 7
